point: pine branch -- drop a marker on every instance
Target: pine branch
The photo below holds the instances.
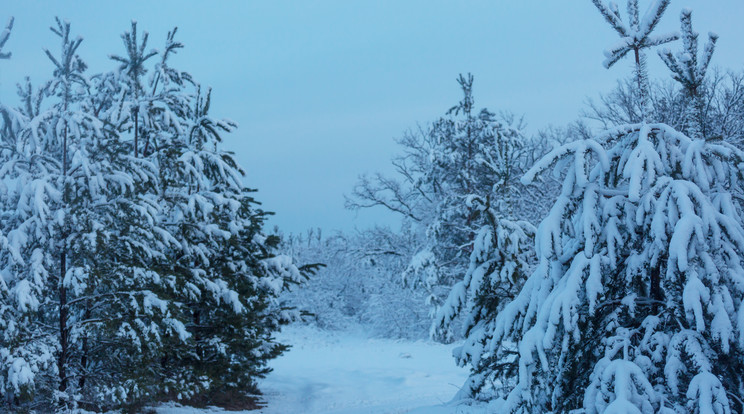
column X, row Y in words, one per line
column 4, row 38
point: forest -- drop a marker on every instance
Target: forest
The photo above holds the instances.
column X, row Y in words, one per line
column 596, row 267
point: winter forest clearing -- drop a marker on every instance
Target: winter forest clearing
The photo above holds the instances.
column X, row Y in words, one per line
column 350, row 373
column 347, row 372
column 596, row 267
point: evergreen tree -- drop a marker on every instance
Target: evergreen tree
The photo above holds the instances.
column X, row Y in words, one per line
column 635, row 304
column 74, row 183
column 130, row 272
column 222, row 277
column 690, row 73
column 464, row 153
column 501, row 260
column 635, row 36
column 722, row 95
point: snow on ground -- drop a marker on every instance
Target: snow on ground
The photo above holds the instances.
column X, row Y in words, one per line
column 349, row 373
column 174, row 408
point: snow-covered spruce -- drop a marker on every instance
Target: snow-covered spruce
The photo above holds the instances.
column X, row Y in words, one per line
column 636, row 303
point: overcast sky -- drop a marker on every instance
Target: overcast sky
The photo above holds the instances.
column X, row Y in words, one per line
column 320, row 89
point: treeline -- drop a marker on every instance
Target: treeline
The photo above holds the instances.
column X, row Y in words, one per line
column 359, row 287
column 416, row 264
column 133, row 264
column 391, row 281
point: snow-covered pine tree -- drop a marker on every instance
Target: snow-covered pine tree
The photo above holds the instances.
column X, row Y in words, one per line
column 690, row 73
column 635, row 36
column 466, row 152
column 198, row 185
column 73, row 186
column 131, row 71
column 469, row 153
column 222, row 278
column 20, row 360
column 637, row 302
column 111, row 258
column 723, row 101
column 502, row 258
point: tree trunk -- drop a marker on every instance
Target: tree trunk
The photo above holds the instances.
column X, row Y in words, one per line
column 84, row 357
column 63, row 330
column 136, row 129
column 63, row 309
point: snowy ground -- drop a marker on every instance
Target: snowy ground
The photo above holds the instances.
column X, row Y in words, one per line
column 347, row 373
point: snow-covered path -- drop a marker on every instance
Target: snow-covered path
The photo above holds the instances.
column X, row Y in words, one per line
column 348, row 373
column 351, row 374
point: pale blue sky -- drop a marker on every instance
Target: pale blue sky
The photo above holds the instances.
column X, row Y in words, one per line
column 321, row 88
